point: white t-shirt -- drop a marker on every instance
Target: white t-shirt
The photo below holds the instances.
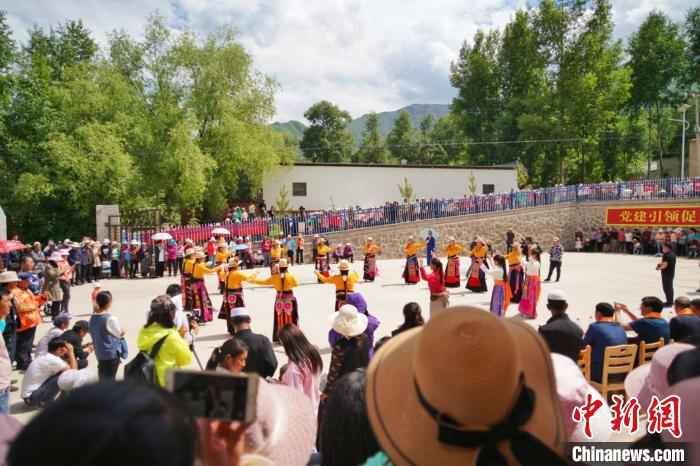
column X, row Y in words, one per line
column 628, row 237
column 75, row 378
column 39, row 372
column 532, row 268
column 113, row 326
column 43, row 346
column 496, row 274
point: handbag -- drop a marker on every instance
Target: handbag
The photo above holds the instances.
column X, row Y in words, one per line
column 142, row 368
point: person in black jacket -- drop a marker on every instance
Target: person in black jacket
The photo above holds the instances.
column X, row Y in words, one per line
column 561, row 334
column 75, row 337
column 261, row 358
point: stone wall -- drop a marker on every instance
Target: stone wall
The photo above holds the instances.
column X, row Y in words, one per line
column 541, row 223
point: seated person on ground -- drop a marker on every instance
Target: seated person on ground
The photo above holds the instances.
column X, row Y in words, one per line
column 651, row 326
column 40, row 383
column 75, row 337
column 604, row 332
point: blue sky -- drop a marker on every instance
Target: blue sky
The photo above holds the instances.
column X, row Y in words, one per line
column 364, row 55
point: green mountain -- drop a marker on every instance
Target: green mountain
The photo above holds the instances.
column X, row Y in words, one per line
column 386, row 120
column 293, row 128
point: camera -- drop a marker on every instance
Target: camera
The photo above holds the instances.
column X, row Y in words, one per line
column 216, row 395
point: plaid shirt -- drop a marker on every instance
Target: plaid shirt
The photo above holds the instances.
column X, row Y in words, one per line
column 555, row 253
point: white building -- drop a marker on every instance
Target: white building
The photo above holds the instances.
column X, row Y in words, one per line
column 319, row 186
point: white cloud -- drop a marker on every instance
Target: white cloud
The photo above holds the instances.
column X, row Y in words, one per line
column 361, row 54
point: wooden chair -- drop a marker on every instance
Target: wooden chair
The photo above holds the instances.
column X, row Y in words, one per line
column 584, row 362
column 647, row 350
column 616, row 360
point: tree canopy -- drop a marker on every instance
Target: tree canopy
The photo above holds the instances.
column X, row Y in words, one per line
column 178, row 122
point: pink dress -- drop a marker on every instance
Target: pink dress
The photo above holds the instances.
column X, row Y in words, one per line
column 301, row 378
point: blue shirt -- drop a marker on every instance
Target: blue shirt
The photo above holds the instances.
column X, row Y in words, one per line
column 600, row 335
column 650, row 330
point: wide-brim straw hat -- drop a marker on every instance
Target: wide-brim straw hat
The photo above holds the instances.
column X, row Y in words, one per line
column 344, row 265
column 348, row 321
column 441, row 393
column 189, row 252
column 283, row 263
column 650, row 379
column 9, row 277
column 199, row 255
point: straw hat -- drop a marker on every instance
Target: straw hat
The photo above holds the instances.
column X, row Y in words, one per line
column 189, row 252
column 283, row 263
column 344, row 265
column 650, row 379
column 9, row 277
column 369, row 238
column 199, row 255
column 434, row 398
column 233, row 261
column 348, row 321
column 573, row 388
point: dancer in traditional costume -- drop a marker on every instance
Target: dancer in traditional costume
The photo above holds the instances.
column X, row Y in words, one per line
column 371, row 250
column 452, row 251
column 439, row 297
column 531, row 287
column 344, row 282
column 275, row 256
column 200, row 296
column 222, row 256
column 515, row 272
column 476, row 278
column 233, row 292
column 322, row 261
column 500, row 296
column 410, row 272
column 186, row 278
column 286, row 309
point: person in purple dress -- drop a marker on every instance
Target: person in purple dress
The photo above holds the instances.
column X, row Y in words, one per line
column 356, row 299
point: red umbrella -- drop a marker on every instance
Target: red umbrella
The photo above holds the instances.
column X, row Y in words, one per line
column 7, row 246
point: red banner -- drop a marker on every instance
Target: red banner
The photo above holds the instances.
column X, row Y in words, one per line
column 670, row 216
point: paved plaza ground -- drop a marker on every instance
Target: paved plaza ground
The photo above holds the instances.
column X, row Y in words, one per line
column 587, row 279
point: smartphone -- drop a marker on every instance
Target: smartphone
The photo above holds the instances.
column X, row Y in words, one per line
column 216, row 395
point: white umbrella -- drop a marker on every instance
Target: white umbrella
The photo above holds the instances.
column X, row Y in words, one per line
column 162, row 236
column 220, row 231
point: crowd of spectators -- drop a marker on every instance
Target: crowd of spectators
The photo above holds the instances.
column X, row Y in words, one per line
column 684, row 242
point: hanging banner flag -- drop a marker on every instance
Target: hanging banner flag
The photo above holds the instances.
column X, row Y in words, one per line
column 666, row 216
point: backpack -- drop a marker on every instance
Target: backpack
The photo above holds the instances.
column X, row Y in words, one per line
column 143, row 367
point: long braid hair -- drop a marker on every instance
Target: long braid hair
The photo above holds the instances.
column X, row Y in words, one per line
column 435, row 262
column 500, row 261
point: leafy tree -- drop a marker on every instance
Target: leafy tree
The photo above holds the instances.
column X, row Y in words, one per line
column 471, row 186
column 401, row 139
column 327, row 139
column 692, row 32
column 476, row 77
column 282, row 201
column 406, row 190
column 656, row 57
column 372, row 148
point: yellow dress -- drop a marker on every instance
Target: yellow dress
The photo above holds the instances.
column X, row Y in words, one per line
column 514, row 257
column 340, row 285
column 412, row 249
column 479, row 251
column 290, row 282
column 322, row 250
column 453, row 249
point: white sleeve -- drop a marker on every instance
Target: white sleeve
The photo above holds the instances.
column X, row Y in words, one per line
column 57, row 365
column 113, row 327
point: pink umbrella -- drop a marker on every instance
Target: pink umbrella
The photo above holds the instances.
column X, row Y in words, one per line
column 7, row 246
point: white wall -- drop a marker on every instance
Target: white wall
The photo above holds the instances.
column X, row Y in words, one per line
column 343, row 186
